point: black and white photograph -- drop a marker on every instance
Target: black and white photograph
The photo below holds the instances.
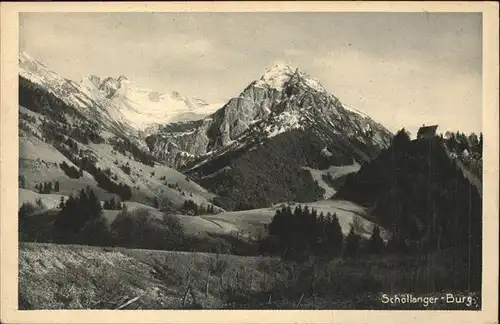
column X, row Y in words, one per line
column 250, row 161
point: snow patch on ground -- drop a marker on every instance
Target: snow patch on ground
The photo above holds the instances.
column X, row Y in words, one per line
column 335, row 172
column 285, row 121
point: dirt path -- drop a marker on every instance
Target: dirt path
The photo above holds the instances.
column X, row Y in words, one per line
column 211, row 221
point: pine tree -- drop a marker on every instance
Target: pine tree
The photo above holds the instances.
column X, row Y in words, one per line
column 352, row 244
column 56, row 186
column 95, row 205
column 61, row 203
column 401, row 139
column 376, row 244
column 112, row 203
column 77, row 211
column 336, row 238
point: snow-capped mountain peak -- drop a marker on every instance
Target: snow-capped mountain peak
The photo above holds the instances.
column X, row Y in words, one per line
column 284, row 99
column 36, row 71
column 142, row 108
column 277, row 76
column 24, row 57
column 116, row 99
column 281, row 74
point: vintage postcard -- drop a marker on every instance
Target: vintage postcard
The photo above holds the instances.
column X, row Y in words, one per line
column 249, row 162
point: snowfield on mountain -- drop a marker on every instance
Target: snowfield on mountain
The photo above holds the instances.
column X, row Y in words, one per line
column 117, row 99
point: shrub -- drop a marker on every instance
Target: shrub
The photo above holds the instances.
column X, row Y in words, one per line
column 352, row 244
column 96, row 232
column 218, row 264
column 125, row 168
column 24, row 224
column 138, row 229
column 376, row 245
column 70, row 171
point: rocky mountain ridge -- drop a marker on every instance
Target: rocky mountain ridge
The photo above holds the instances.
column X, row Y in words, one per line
column 117, row 102
column 283, row 99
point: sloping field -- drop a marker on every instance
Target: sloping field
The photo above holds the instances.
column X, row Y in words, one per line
column 335, row 172
column 251, row 223
column 39, row 162
column 348, row 213
column 49, row 200
column 246, row 224
column 55, row 276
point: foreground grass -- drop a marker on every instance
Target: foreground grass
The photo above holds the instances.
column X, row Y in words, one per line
column 55, row 276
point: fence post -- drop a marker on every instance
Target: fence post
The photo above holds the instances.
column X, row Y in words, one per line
column 208, row 283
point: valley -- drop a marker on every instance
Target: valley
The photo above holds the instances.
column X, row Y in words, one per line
column 283, row 191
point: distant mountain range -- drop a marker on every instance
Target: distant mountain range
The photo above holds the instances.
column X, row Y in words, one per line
column 284, row 169
column 285, row 111
column 117, row 98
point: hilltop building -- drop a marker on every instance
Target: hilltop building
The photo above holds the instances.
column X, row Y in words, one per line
column 427, row 131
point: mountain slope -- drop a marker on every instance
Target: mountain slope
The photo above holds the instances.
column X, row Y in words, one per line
column 252, row 152
column 415, row 189
column 283, row 99
column 34, row 75
column 67, row 136
column 116, row 102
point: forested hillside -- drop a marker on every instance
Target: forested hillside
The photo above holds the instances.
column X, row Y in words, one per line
column 271, row 173
column 468, row 149
column 416, row 190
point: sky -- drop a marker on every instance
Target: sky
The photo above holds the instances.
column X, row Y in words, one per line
column 402, row 69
